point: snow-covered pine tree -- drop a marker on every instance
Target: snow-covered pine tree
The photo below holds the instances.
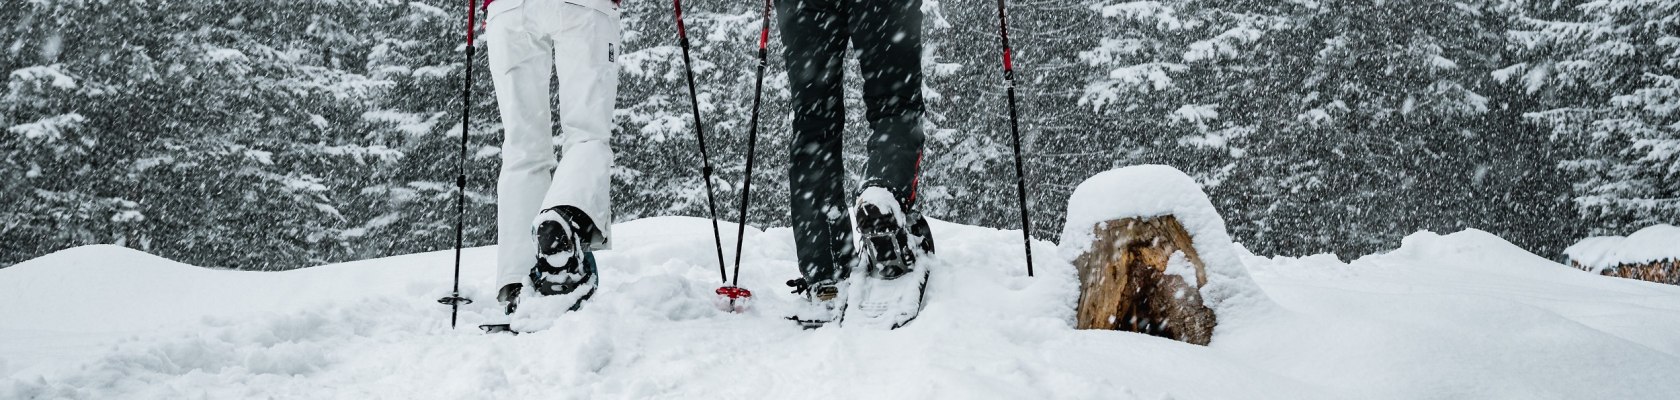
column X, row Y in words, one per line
column 659, row 164
column 1607, row 78
column 969, row 170
column 274, row 135
column 406, row 148
column 1515, row 189
column 192, row 136
column 1384, row 111
column 659, row 157
column 1191, row 83
column 1319, row 126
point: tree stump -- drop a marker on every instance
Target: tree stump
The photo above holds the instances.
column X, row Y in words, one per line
column 1137, row 277
column 1648, row 255
column 1662, row 271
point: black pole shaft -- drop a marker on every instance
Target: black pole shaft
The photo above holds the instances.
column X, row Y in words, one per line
column 1015, row 134
column 752, row 141
column 700, row 135
column 461, row 165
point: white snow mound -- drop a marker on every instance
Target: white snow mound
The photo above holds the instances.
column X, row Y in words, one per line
column 1653, row 243
column 1157, row 190
column 1461, row 316
column 1595, row 253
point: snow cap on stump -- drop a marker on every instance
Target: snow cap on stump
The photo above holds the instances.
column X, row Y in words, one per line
column 1594, row 254
column 1145, row 191
column 1654, row 243
column 1651, row 254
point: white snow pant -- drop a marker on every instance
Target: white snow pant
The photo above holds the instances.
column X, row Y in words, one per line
column 579, row 40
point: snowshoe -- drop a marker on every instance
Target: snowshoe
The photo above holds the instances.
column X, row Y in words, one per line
column 563, row 278
column 529, row 311
column 890, row 293
column 825, row 302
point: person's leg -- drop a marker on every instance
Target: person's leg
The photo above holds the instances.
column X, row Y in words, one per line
column 888, row 37
column 520, row 68
column 586, row 55
column 814, row 40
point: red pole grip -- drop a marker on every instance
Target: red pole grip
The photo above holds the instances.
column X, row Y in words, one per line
column 472, row 20
column 682, row 30
column 764, row 34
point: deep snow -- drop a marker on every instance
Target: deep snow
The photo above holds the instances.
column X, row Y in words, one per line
column 1457, row 316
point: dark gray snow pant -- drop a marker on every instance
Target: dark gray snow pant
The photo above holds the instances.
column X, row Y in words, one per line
column 887, row 35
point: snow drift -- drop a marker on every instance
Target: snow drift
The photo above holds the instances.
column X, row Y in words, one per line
column 1457, row 316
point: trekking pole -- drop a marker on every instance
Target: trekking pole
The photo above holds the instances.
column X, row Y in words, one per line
column 1015, row 134
column 455, row 300
column 752, row 148
column 700, row 135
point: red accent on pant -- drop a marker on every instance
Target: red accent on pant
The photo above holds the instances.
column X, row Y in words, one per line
column 917, row 178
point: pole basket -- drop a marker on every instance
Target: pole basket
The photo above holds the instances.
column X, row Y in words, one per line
column 733, row 299
column 455, row 301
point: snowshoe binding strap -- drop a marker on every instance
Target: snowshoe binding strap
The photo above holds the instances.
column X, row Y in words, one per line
column 822, row 292
column 550, row 281
column 885, row 243
column 560, row 267
column 826, row 292
column 919, row 229
column 509, row 297
column 799, row 285
column 825, row 304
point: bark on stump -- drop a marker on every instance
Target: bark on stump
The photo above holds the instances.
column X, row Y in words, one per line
column 1126, row 284
column 1662, row 271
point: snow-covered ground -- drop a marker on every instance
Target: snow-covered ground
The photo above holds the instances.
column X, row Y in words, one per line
column 1460, row 316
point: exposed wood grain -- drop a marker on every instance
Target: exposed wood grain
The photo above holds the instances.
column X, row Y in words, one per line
column 1125, row 285
column 1662, row 271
